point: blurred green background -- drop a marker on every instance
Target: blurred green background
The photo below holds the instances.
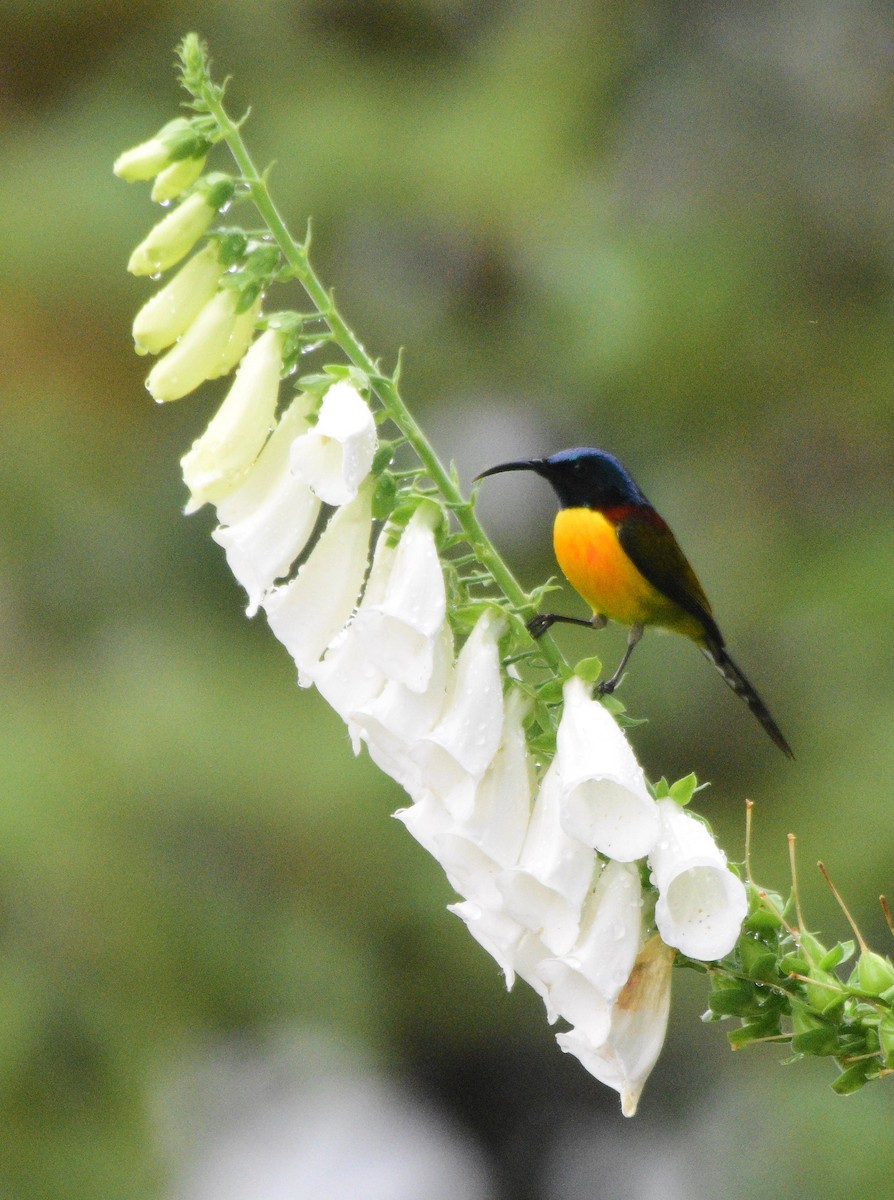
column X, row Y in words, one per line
column 667, row 230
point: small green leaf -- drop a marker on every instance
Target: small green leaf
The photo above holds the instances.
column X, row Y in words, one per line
column 588, row 669
column 755, row 1031
column 684, row 789
column 733, row 1001
column 818, row 1042
column 839, row 953
column 852, row 1079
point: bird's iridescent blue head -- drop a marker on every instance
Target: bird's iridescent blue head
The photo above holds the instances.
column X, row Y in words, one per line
column 581, row 478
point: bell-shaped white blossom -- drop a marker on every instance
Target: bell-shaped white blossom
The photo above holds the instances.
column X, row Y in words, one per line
column 176, row 234
column 347, row 677
column 610, row 931
column 605, row 801
column 271, row 515
column 221, row 458
column 173, row 308
column 516, row 950
column 497, row 818
column 393, row 724
column 625, row 1057
column 401, row 625
column 457, row 752
column 335, row 456
column 583, row 984
column 701, row 903
column 471, row 872
column 307, row 612
column 573, row 998
column 212, row 344
column 175, row 179
column 546, row 891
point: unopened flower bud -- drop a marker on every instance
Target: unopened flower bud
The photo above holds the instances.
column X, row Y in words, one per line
column 176, row 234
column 216, row 339
column 175, row 179
column 175, row 306
column 175, row 141
column 875, row 973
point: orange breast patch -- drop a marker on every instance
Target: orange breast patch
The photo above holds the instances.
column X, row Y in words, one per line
column 590, row 555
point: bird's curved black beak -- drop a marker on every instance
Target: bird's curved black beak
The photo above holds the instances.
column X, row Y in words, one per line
column 525, row 464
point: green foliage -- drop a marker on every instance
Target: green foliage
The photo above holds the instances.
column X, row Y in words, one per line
column 780, row 983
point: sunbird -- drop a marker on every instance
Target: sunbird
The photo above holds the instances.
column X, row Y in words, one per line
column 622, row 558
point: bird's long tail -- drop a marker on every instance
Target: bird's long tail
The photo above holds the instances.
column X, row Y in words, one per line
column 719, row 656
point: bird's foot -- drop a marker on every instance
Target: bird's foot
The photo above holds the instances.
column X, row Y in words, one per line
column 537, row 626
column 606, row 687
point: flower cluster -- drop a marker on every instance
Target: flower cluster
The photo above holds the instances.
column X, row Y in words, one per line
column 570, row 872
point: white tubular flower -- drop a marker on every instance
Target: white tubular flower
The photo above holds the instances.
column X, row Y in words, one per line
column 174, row 307
column 546, row 891
column 347, row 678
column 176, row 234
column 573, row 998
column 336, row 455
column 306, row 613
column 605, row 801
column 470, row 871
column 516, row 950
column 701, row 903
column 625, row 1058
column 457, row 752
column 206, row 350
column 401, row 625
column 221, row 458
column 611, row 926
column 397, row 719
column 176, row 178
column 271, row 516
column 148, row 158
column 498, row 818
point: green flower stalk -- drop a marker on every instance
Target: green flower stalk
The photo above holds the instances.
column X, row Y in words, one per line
column 572, row 871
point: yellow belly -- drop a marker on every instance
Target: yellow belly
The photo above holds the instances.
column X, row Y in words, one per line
column 594, row 563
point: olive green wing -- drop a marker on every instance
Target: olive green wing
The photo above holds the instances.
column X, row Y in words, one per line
column 653, row 550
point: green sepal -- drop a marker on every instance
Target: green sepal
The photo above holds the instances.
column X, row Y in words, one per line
column 819, row 1043
column 886, row 1038
column 811, row 1035
column 253, row 277
column 232, row 245
column 825, row 992
column 839, row 953
column 794, row 964
column 384, row 497
column 759, row 961
column 812, row 947
column 764, row 911
column 551, row 691
column 754, row 1031
column 852, row 1078
column 731, row 1000
column 684, row 789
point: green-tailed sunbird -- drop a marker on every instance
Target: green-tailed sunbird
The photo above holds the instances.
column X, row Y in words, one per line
column 621, row 556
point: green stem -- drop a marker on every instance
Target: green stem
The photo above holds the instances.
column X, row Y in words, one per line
column 384, row 387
